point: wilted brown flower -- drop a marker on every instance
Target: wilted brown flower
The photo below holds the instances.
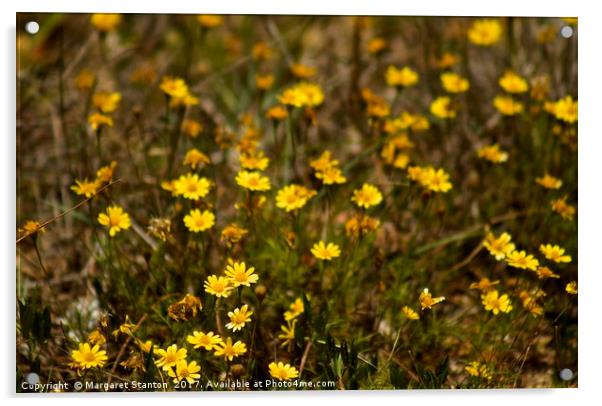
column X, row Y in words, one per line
column 185, row 309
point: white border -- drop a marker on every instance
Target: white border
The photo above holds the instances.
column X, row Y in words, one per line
column 590, row 205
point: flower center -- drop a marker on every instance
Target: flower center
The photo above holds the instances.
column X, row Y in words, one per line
column 89, row 357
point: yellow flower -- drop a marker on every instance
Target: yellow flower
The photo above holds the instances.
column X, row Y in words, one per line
column 86, row 357
column 442, row 108
column 301, row 71
column 276, row 113
column 495, row 303
column 454, row 83
column 378, row 107
column 398, row 126
column 115, row 219
column 229, row 350
column 529, row 302
column 561, row 207
column 32, row 227
column 293, row 197
column 84, row 79
column 232, row 233
column 105, row 173
column 283, row 372
column 416, row 173
column 331, row 176
column 105, row 22
column 106, row 102
column 566, row 109
column 522, row 260
column 324, row 162
column 436, row 180
column 294, row 310
column 145, row 346
column 292, row 97
column 253, row 181
column 325, row 252
column 185, row 371
column 255, row 160
column 500, row 246
column 376, row 45
column 218, row 286
column 571, row 288
column 447, row 60
column 484, row 285
column 97, row 338
column 197, row 221
column 264, row 82
column 485, row 32
column 239, row 317
column 402, row 77
column 549, row 182
column 85, row 188
column 410, row 314
column 170, row 357
column 208, row 341
column 239, row 275
column 194, row 158
column 554, row 253
column 98, row 120
column 261, row 51
column 168, row 185
column 186, row 100
column 545, row 272
column 288, row 333
column 401, row 161
column 174, row 87
column 493, row 153
column 507, row 105
column 127, row 328
column 367, row 196
column 476, row 369
column 358, row 226
column 427, row 301
column 513, row 83
column 210, row 20
column 191, row 128
column 420, row 124
column 191, row 186
column 313, row 93
column 302, row 95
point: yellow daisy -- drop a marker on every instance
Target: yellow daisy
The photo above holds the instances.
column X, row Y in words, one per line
column 86, row 357
column 191, row 186
column 239, row 275
column 239, row 317
column 253, row 181
column 554, row 253
column 170, row 357
column 115, row 219
column 522, row 260
column 367, row 196
column 283, row 372
column 230, row 350
column 197, row 220
column 208, row 341
column 218, row 286
column 325, row 252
